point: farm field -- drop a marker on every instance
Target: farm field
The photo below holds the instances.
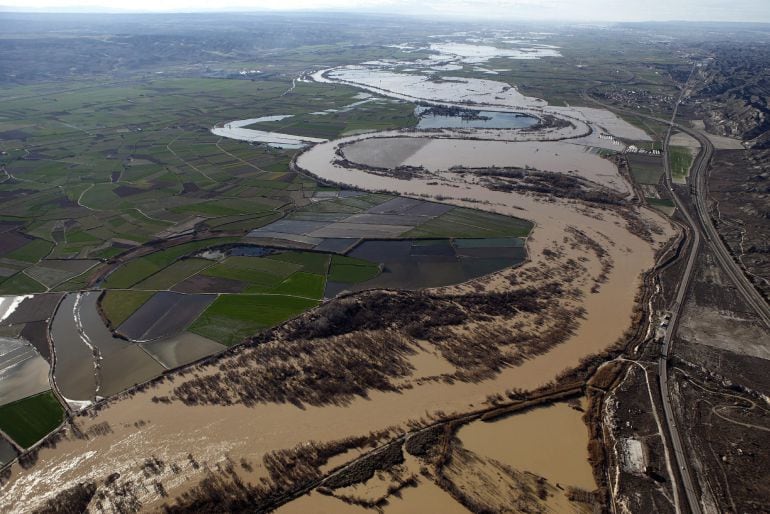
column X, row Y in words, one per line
column 118, row 305
column 29, row 419
column 680, row 159
column 231, row 318
column 664, row 205
column 95, row 186
column 646, row 169
column 313, row 262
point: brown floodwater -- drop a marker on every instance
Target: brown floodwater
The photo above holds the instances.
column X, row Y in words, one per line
column 442, row 154
column 211, row 432
column 548, row 441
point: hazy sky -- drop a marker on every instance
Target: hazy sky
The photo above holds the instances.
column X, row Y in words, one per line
column 602, row 10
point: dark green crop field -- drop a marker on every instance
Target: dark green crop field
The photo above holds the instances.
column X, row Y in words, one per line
column 30, row 419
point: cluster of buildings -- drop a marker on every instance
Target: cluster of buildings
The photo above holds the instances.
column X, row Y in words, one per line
column 636, row 149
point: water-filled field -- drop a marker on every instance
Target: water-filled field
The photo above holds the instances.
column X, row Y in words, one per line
column 416, row 264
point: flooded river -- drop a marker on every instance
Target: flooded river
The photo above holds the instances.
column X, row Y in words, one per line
column 250, row 432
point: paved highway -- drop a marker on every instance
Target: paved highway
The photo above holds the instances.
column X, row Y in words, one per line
column 704, row 225
column 698, row 179
column 680, row 456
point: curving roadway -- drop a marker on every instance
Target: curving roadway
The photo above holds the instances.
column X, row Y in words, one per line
column 704, row 226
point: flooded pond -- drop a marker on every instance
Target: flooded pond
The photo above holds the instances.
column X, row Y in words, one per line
column 549, row 441
column 480, row 119
column 417, row 264
column 250, row 251
column 90, row 361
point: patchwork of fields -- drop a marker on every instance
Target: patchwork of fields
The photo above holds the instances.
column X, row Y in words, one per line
column 146, row 245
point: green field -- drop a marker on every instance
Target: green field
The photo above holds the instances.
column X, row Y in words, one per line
column 20, row 284
column 260, row 273
column 139, row 269
column 281, row 286
column 311, row 262
column 292, row 272
column 304, row 284
column 119, row 305
column 664, row 205
column 646, row 169
column 31, row 252
column 680, row 160
column 131, row 273
column 231, row 318
column 30, row 419
column 173, row 274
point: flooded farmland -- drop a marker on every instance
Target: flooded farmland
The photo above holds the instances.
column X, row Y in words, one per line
column 8, row 304
column 164, row 315
column 417, row 264
column 90, row 361
column 23, row 372
column 216, row 431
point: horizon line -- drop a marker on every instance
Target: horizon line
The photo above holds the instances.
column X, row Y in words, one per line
column 118, row 11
